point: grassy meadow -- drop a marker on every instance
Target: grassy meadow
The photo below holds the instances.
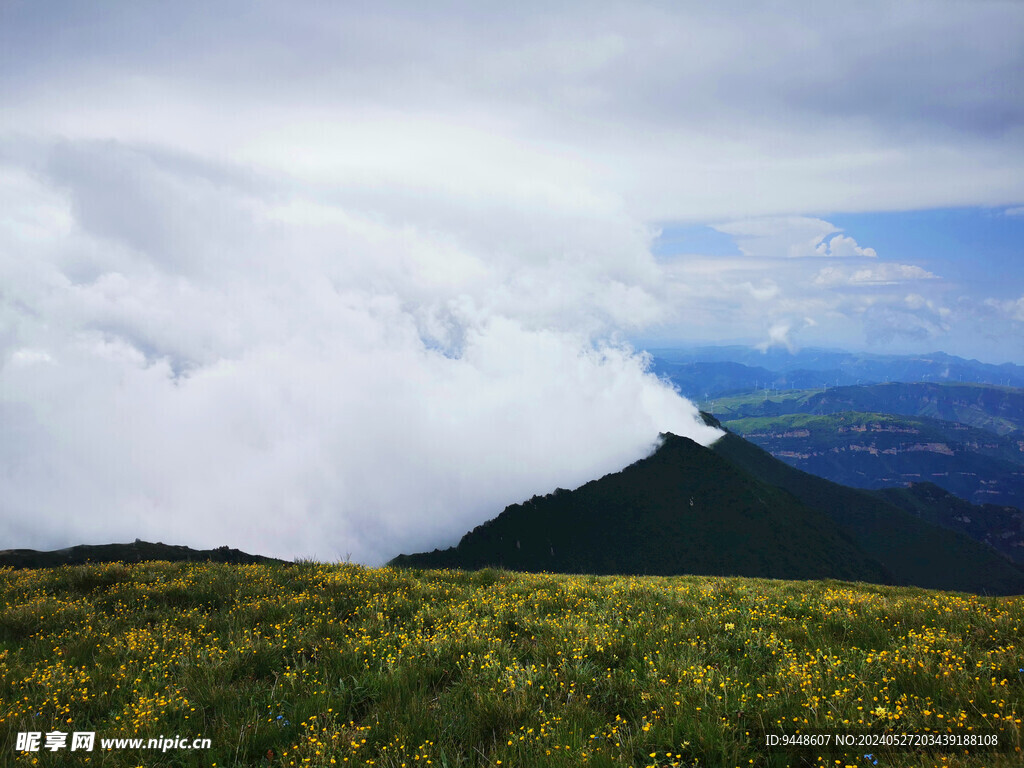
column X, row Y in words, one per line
column 319, row 665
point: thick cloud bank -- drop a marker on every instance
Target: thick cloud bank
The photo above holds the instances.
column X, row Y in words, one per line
column 196, row 357
column 346, row 278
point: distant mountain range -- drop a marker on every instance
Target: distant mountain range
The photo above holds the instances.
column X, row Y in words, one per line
column 706, row 372
column 874, row 450
column 135, row 552
column 731, row 509
column 967, row 439
column 997, row 409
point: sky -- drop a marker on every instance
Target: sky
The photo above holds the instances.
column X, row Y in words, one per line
column 342, row 280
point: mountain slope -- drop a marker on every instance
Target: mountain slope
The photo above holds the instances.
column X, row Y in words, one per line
column 914, row 551
column 683, row 509
column 996, row 409
column 873, row 450
column 699, row 381
column 1001, row 527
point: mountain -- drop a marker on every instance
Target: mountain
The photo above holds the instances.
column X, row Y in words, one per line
column 812, row 367
column 702, row 380
column 727, row 510
column 996, row 409
column 874, row 450
column 915, row 551
column 681, row 510
column 136, row 552
column 998, row 526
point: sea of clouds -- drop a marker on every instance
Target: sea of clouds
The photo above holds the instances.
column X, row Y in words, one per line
column 197, row 357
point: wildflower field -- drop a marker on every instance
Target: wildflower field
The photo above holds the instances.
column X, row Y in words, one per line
column 319, row 665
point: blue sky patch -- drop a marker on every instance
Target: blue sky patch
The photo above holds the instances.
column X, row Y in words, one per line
column 977, row 248
column 675, row 240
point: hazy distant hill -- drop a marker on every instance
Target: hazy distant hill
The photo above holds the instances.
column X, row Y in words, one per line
column 873, row 450
column 136, row 552
column 703, row 380
column 711, row 371
column 731, row 509
column 997, row 409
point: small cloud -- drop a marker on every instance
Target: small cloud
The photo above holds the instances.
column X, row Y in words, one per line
column 843, row 247
column 1018, row 211
column 778, row 335
column 881, row 274
column 768, row 289
column 779, row 236
column 884, row 323
column 793, row 237
column 1012, row 310
column 916, row 301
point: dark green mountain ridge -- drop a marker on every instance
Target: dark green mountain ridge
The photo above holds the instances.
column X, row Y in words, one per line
column 999, row 526
column 135, row 552
column 731, row 509
column 915, row 551
column 683, row 509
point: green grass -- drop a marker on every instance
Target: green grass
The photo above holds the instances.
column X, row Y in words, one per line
column 318, row 665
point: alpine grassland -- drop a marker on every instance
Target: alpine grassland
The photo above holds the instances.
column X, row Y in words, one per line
column 310, row 664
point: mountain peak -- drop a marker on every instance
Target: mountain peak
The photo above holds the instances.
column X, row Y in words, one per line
column 683, row 509
column 730, row 510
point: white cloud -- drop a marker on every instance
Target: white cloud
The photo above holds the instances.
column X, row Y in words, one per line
column 798, row 298
column 766, row 290
column 885, row 321
column 242, row 363
column 778, row 336
column 649, row 103
column 1010, row 309
column 792, row 237
column 844, row 247
column 885, row 273
column 779, row 237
